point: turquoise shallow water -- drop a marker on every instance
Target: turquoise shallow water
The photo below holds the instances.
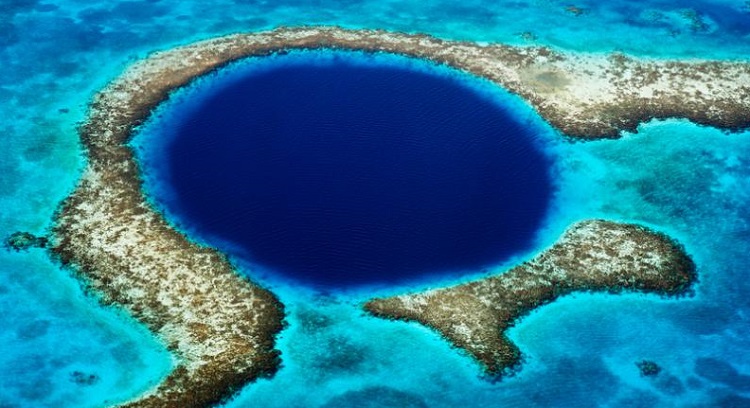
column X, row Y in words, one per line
column 688, row 181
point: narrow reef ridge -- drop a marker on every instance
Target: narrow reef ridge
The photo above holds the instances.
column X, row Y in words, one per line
column 22, row 240
column 592, row 255
column 220, row 326
column 586, row 96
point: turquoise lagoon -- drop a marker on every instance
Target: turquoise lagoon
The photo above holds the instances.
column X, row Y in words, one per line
column 61, row 349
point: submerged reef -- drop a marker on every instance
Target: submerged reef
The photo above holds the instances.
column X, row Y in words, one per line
column 592, row 255
column 648, row 368
column 586, row 96
column 221, row 327
column 22, row 240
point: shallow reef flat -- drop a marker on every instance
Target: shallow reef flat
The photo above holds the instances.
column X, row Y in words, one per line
column 221, row 327
column 592, row 255
column 586, row 96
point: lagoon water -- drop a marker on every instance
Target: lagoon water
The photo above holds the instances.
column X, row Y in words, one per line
column 689, row 181
column 340, row 169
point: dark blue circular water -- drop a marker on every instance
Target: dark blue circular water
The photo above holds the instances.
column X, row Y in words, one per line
column 347, row 174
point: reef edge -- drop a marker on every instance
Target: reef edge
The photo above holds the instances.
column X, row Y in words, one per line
column 591, row 256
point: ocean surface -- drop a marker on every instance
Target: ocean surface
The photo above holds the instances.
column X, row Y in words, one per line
column 61, row 349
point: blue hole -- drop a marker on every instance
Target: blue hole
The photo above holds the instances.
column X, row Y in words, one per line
column 347, row 173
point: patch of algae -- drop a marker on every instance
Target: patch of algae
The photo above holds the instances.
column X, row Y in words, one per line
column 592, row 255
column 220, row 326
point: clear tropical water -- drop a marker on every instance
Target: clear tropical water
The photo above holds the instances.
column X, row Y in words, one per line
column 689, row 181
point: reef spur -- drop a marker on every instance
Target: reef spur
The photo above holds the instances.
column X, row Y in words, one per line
column 592, row 255
column 219, row 325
